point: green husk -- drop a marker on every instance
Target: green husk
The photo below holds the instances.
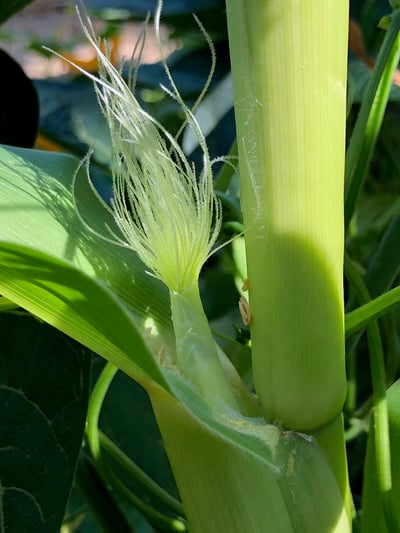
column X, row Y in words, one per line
column 196, row 350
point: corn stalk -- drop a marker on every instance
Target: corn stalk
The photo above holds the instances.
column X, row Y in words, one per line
column 289, row 69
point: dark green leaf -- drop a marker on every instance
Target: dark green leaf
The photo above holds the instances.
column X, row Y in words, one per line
column 135, row 430
column 9, row 7
column 360, row 317
column 360, row 74
column 44, row 387
column 78, row 305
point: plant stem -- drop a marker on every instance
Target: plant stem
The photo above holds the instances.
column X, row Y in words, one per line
column 381, row 272
column 139, row 475
column 371, row 310
column 289, row 63
column 99, row 499
column 95, row 405
column 93, row 435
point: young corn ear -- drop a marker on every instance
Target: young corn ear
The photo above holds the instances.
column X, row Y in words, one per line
column 289, row 70
column 170, row 218
column 167, row 214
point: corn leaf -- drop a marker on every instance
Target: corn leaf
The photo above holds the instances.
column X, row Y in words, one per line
column 357, row 319
column 51, row 264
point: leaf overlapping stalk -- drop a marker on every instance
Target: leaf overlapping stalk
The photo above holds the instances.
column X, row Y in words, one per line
column 248, row 476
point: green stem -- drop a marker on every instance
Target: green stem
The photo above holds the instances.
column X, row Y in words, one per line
column 93, row 435
column 139, row 475
column 99, row 499
column 289, row 62
column 379, row 276
column 159, row 521
column 384, row 266
column 95, row 405
column 381, row 417
column 351, row 396
column 389, row 325
column 371, row 310
column 369, row 120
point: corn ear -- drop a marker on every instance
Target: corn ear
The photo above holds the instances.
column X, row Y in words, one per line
column 168, row 215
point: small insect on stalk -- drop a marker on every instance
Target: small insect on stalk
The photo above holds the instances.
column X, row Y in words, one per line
column 244, row 306
column 166, row 213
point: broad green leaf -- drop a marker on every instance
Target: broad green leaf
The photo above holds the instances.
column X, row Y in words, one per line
column 78, row 305
column 6, row 305
column 44, row 388
column 37, row 210
column 384, row 265
column 54, row 266
column 98, row 293
column 94, row 291
column 372, row 514
column 71, row 117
